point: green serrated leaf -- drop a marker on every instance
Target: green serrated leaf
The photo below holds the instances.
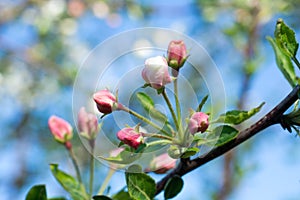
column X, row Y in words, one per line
column 69, row 183
column 122, row 195
column 140, row 186
column 286, row 39
column 173, row 187
column 37, row 192
column 222, row 135
column 190, row 152
column 284, row 63
column 101, row 197
column 236, row 116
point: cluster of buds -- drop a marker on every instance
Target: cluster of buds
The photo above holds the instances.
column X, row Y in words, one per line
column 155, row 74
column 62, row 131
column 156, row 68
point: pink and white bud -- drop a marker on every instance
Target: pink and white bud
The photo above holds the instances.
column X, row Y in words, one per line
column 106, row 101
column 198, row 122
column 156, row 72
column 177, row 54
column 162, row 163
column 87, row 124
column 130, row 137
column 60, row 129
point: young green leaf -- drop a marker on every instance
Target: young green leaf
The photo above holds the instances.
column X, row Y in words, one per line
column 145, row 100
column 284, row 63
column 140, row 186
column 236, row 116
column 190, row 152
column 203, row 101
column 122, row 195
column 173, row 187
column 286, row 39
column 37, row 192
column 222, row 134
column 148, row 105
column 69, row 183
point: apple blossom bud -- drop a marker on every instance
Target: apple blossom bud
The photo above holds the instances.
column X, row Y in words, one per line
column 130, row 137
column 177, row 54
column 198, row 122
column 162, row 163
column 156, row 72
column 106, row 101
column 60, row 129
column 87, row 124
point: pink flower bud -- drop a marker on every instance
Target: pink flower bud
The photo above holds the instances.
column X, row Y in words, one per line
column 198, row 122
column 156, row 72
column 106, row 101
column 177, row 54
column 87, row 124
column 162, row 163
column 60, row 129
column 130, row 137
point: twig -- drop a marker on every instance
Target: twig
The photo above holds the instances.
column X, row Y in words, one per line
column 273, row 117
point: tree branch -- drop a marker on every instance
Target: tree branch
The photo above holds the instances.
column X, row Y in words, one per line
column 273, row 117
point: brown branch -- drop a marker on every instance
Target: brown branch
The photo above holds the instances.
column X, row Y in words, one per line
column 273, row 117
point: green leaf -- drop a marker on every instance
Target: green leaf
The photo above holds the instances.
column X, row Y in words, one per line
column 284, row 63
column 203, row 101
column 122, row 195
column 140, row 186
column 148, row 105
column 190, row 152
column 37, row 192
column 173, row 187
column 69, row 183
column 58, row 198
column 223, row 134
column 236, row 116
column 101, row 197
column 145, row 100
column 286, row 39
column 134, row 169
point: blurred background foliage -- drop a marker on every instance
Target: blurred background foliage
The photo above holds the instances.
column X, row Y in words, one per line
column 43, row 43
